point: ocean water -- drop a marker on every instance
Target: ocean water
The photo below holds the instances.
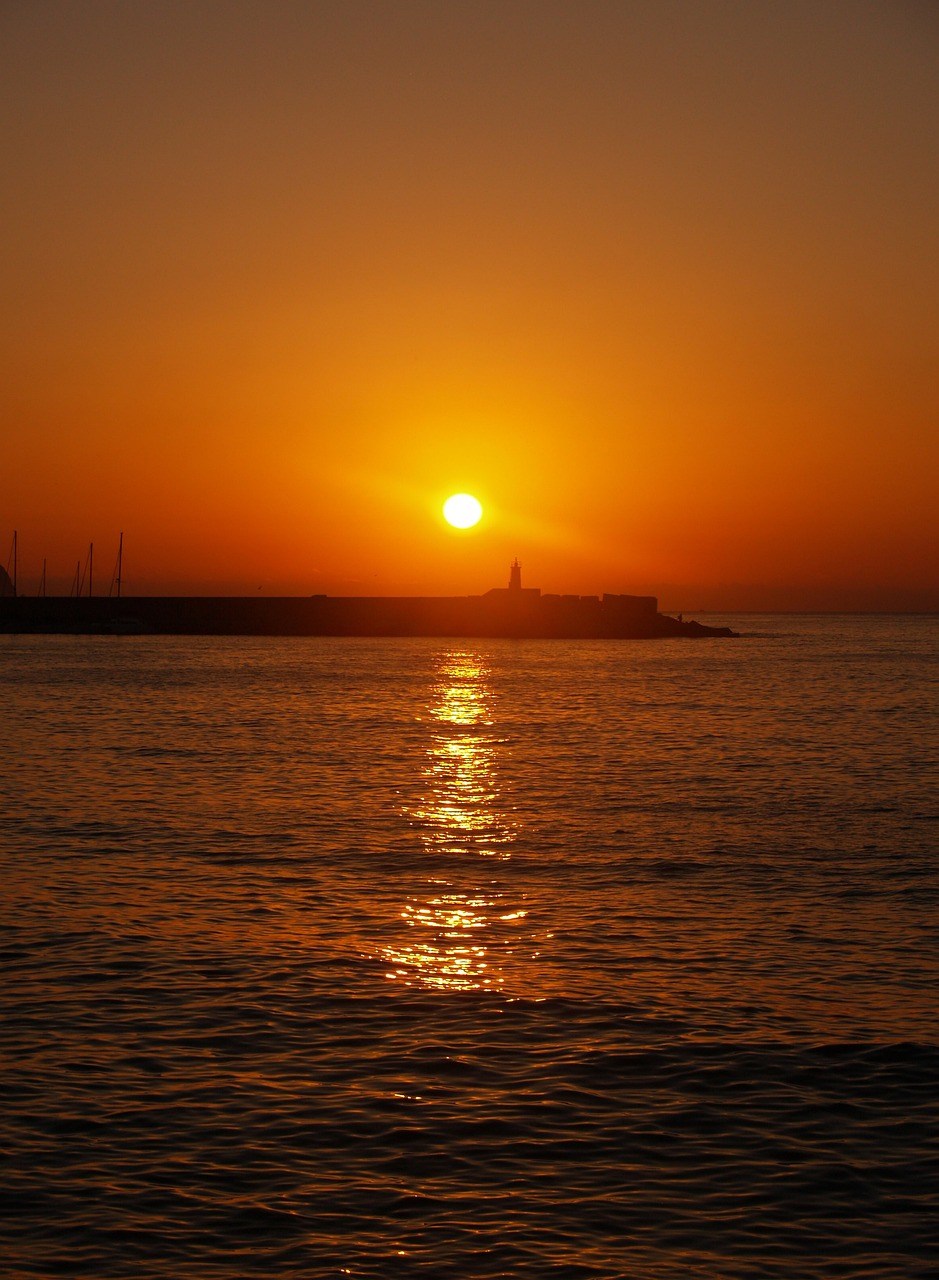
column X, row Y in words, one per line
column 436, row 958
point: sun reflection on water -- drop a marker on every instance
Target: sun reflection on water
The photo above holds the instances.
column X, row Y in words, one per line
column 460, row 928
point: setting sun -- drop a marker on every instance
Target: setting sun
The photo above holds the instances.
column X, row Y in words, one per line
column 462, row 511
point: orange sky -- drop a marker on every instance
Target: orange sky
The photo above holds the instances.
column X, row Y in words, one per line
column 658, row 282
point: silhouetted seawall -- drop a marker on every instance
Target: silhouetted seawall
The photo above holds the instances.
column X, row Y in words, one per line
column 494, row 615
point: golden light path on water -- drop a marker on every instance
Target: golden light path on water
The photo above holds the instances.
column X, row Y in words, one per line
column 463, row 823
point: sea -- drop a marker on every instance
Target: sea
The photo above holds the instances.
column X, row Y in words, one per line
column 329, row 957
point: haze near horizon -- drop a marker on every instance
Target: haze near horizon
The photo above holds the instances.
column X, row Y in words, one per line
column 656, row 283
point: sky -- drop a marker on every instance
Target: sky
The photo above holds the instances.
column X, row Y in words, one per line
column 657, row 282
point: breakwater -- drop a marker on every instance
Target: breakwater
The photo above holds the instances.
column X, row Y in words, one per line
column 499, row 613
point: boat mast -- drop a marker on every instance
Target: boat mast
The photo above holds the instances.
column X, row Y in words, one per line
column 42, row 580
column 11, row 562
column 116, row 576
column 88, row 568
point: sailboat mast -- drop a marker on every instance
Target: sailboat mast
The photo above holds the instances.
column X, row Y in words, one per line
column 11, row 564
column 91, row 564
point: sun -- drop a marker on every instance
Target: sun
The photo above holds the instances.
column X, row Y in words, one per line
column 462, row 511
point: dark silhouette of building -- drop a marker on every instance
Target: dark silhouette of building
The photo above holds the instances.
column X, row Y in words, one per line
column 515, row 590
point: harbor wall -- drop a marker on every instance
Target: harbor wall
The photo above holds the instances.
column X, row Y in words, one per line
column 484, row 616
